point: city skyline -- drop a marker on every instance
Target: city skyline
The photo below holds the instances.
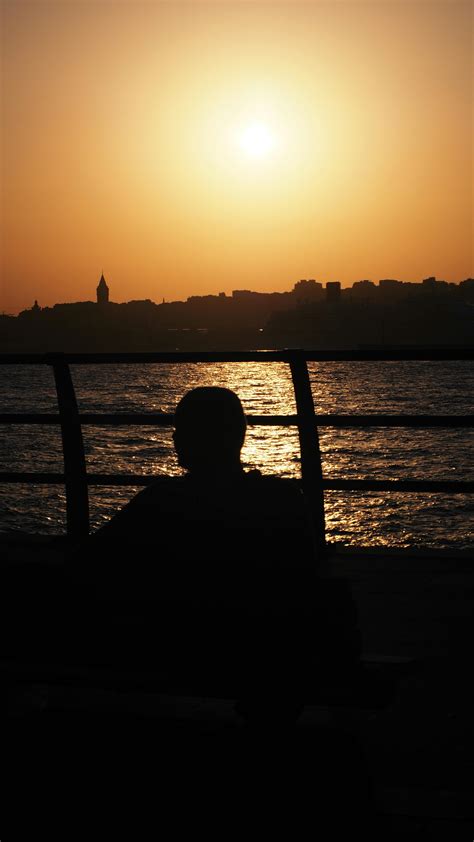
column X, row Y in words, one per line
column 201, row 147
column 103, row 290
column 433, row 312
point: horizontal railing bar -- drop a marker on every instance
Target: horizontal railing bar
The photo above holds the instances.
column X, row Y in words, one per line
column 335, row 355
column 148, row 357
column 32, row 478
column 413, row 485
column 395, row 420
column 138, row 419
column 421, row 421
column 46, row 418
column 435, row 486
column 167, row 419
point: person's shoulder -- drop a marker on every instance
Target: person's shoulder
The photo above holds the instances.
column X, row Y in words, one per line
column 161, row 493
column 139, row 515
column 273, row 483
column 159, row 488
column 277, row 491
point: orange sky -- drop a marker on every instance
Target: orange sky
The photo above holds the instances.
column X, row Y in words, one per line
column 120, row 145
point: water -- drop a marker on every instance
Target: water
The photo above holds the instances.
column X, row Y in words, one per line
column 354, row 518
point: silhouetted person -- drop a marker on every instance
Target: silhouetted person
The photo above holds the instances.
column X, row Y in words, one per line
column 222, row 563
column 210, row 581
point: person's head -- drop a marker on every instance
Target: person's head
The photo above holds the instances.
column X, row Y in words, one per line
column 209, row 430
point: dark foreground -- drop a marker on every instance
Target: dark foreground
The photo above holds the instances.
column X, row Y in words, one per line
column 406, row 770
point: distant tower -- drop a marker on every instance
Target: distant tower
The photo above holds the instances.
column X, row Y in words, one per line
column 36, row 308
column 102, row 291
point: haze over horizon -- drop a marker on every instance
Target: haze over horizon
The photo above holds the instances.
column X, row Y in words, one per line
column 193, row 148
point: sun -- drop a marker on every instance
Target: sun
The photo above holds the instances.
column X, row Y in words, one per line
column 257, row 140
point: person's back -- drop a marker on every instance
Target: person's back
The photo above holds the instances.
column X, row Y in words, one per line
column 194, row 532
column 223, row 559
column 216, row 575
column 218, row 523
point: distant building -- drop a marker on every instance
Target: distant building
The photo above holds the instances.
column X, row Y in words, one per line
column 333, row 290
column 390, row 283
column 243, row 293
column 102, row 291
column 391, row 289
column 36, row 308
column 307, row 291
column 433, row 286
column 363, row 290
column 467, row 290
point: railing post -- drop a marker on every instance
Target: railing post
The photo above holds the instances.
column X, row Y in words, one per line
column 311, row 470
column 77, row 500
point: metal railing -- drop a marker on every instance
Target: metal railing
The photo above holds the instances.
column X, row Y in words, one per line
column 76, row 478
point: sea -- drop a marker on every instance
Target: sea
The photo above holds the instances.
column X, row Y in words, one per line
column 428, row 520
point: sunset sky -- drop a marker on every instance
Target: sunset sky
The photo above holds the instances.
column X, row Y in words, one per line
column 193, row 148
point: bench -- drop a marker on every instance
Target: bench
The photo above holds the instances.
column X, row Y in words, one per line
column 39, row 686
